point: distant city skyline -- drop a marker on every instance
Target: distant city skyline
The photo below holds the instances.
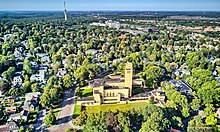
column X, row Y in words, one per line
column 95, row 5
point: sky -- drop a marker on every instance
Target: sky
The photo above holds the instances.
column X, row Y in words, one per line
column 134, row 5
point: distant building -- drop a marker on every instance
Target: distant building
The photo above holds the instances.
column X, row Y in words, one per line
column 153, row 30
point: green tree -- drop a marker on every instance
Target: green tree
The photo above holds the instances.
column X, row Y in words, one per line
column 67, row 81
column 14, row 92
column 195, row 103
column 50, row 119
column 211, row 119
column 27, row 67
column 124, row 122
column 35, row 87
column 22, row 129
column 152, row 75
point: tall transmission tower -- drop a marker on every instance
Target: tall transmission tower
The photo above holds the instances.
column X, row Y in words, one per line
column 65, row 12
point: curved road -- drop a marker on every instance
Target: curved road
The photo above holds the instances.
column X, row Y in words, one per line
column 64, row 120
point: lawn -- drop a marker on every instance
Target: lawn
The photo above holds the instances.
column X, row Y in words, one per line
column 77, row 109
column 56, row 111
column 87, row 92
column 121, row 107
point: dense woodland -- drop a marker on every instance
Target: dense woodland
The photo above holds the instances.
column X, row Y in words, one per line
column 69, row 40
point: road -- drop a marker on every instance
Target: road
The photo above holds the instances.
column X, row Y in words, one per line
column 40, row 120
column 64, row 120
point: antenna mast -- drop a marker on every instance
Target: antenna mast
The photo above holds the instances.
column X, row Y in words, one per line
column 65, row 12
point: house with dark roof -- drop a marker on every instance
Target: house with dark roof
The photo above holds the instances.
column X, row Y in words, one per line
column 182, row 86
column 10, row 110
column 30, row 105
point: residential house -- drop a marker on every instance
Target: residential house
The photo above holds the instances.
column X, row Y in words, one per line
column 17, row 80
column 218, row 79
column 117, row 61
column 25, row 44
column 34, row 64
column 41, row 54
column 32, row 96
column 185, row 72
column 174, row 130
column 22, row 115
column 38, row 78
column 91, row 51
column 42, row 69
column 15, row 117
column 1, row 92
column 10, row 110
column 218, row 113
column 9, row 127
column 30, row 105
column 31, row 101
column 182, row 86
column 202, row 114
column 61, row 72
column 64, row 62
column 17, row 54
column 1, row 77
column 10, row 99
column 45, row 59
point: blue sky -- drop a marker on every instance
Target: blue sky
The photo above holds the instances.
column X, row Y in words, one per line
column 149, row 5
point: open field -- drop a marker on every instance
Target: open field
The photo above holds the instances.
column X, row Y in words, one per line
column 115, row 107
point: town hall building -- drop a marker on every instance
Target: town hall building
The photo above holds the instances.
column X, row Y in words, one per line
column 115, row 89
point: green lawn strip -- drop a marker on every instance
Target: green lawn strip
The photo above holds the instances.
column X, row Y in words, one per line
column 87, row 92
column 32, row 117
column 121, row 107
column 77, row 110
column 56, row 111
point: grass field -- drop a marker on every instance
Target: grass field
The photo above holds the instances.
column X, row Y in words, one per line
column 121, row 107
column 77, row 109
column 87, row 92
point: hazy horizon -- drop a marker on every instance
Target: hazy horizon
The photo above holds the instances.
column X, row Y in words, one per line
column 110, row 5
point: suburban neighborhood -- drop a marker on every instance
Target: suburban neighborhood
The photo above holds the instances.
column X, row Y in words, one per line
column 110, row 71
